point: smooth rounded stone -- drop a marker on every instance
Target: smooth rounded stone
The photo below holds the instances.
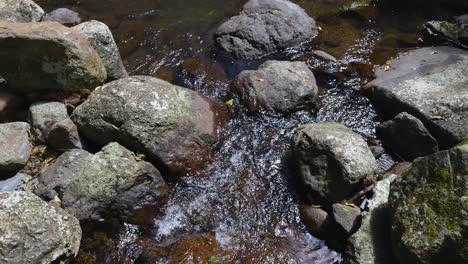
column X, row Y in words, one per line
column 110, row 183
column 347, row 219
column 331, row 160
column 64, row 136
column 264, row 27
column 371, row 243
column 100, row 37
column 20, row 11
column 277, row 86
column 316, row 220
column 12, row 107
column 430, row 84
column 34, row 231
column 429, row 209
column 407, row 136
column 51, row 57
column 43, row 115
column 15, row 147
column 63, row 16
column 175, row 127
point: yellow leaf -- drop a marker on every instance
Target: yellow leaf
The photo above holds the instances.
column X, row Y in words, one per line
column 230, row 102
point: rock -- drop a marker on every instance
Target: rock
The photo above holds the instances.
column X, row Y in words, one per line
column 20, row 11
column 63, row 16
column 14, row 183
column 416, row 142
column 173, row 126
column 43, row 115
column 316, row 220
column 64, row 136
column 371, row 243
column 15, row 146
column 332, row 160
column 264, row 27
column 51, row 57
column 430, row 84
column 111, row 183
column 347, row 219
column 36, row 232
column 429, row 209
column 100, row 37
column 11, row 107
column 277, row 86
column 442, row 30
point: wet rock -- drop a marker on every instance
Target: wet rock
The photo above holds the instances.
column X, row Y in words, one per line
column 347, row 219
column 323, row 56
column 198, row 249
column 371, row 243
column 63, row 16
column 173, row 126
column 331, row 160
column 316, row 220
column 64, row 136
column 51, row 57
column 42, row 115
column 442, row 30
column 428, row 83
column 429, row 209
column 12, row 107
column 15, row 147
column 36, row 232
column 277, row 86
column 111, row 183
column 407, row 136
column 100, row 37
column 20, row 11
column 264, row 27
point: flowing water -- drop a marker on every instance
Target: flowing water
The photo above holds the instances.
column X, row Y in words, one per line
column 246, row 197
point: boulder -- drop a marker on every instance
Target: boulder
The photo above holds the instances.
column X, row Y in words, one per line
column 316, row 220
column 14, row 183
column 15, row 146
column 175, row 127
column 277, row 86
column 111, row 183
column 430, row 84
column 429, row 209
column 347, row 219
column 63, row 136
column 331, row 160
column 34, row 231
column 42, row 115
column 407, row 136
column 264, row 27
column 371, row 243
column 100, row 37
column 20, row 11
column 63, row 16
column 51, row 57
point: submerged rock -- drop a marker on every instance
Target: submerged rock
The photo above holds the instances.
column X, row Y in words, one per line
column 63, row 16
column 430, row 84
column 34, row 231
column 111, row 183
column 100, row 37
column 15, row 147
column 332, row 160
column 429, row 209
column 175, row 127
column 277, row 86
column 264, row 27
column 20, row 11
column 407, row 136
column 51, row 57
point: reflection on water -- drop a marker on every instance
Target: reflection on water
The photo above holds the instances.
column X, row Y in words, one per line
column 245, row 197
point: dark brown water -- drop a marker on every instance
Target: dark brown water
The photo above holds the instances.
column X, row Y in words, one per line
column 245, row 198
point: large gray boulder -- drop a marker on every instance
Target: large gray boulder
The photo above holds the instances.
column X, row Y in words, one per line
column 429, row 209
column 371, row 243
column 331, row 160
column 42, row 115
column 100, row 37
column 20, row 11
column 264, row 27
column 33, row 231
column 51, row 57
column 277, row 86
column 175, row 127
column 407, row 136
column 111, row 183
column 15, row 147
column 430, row 84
